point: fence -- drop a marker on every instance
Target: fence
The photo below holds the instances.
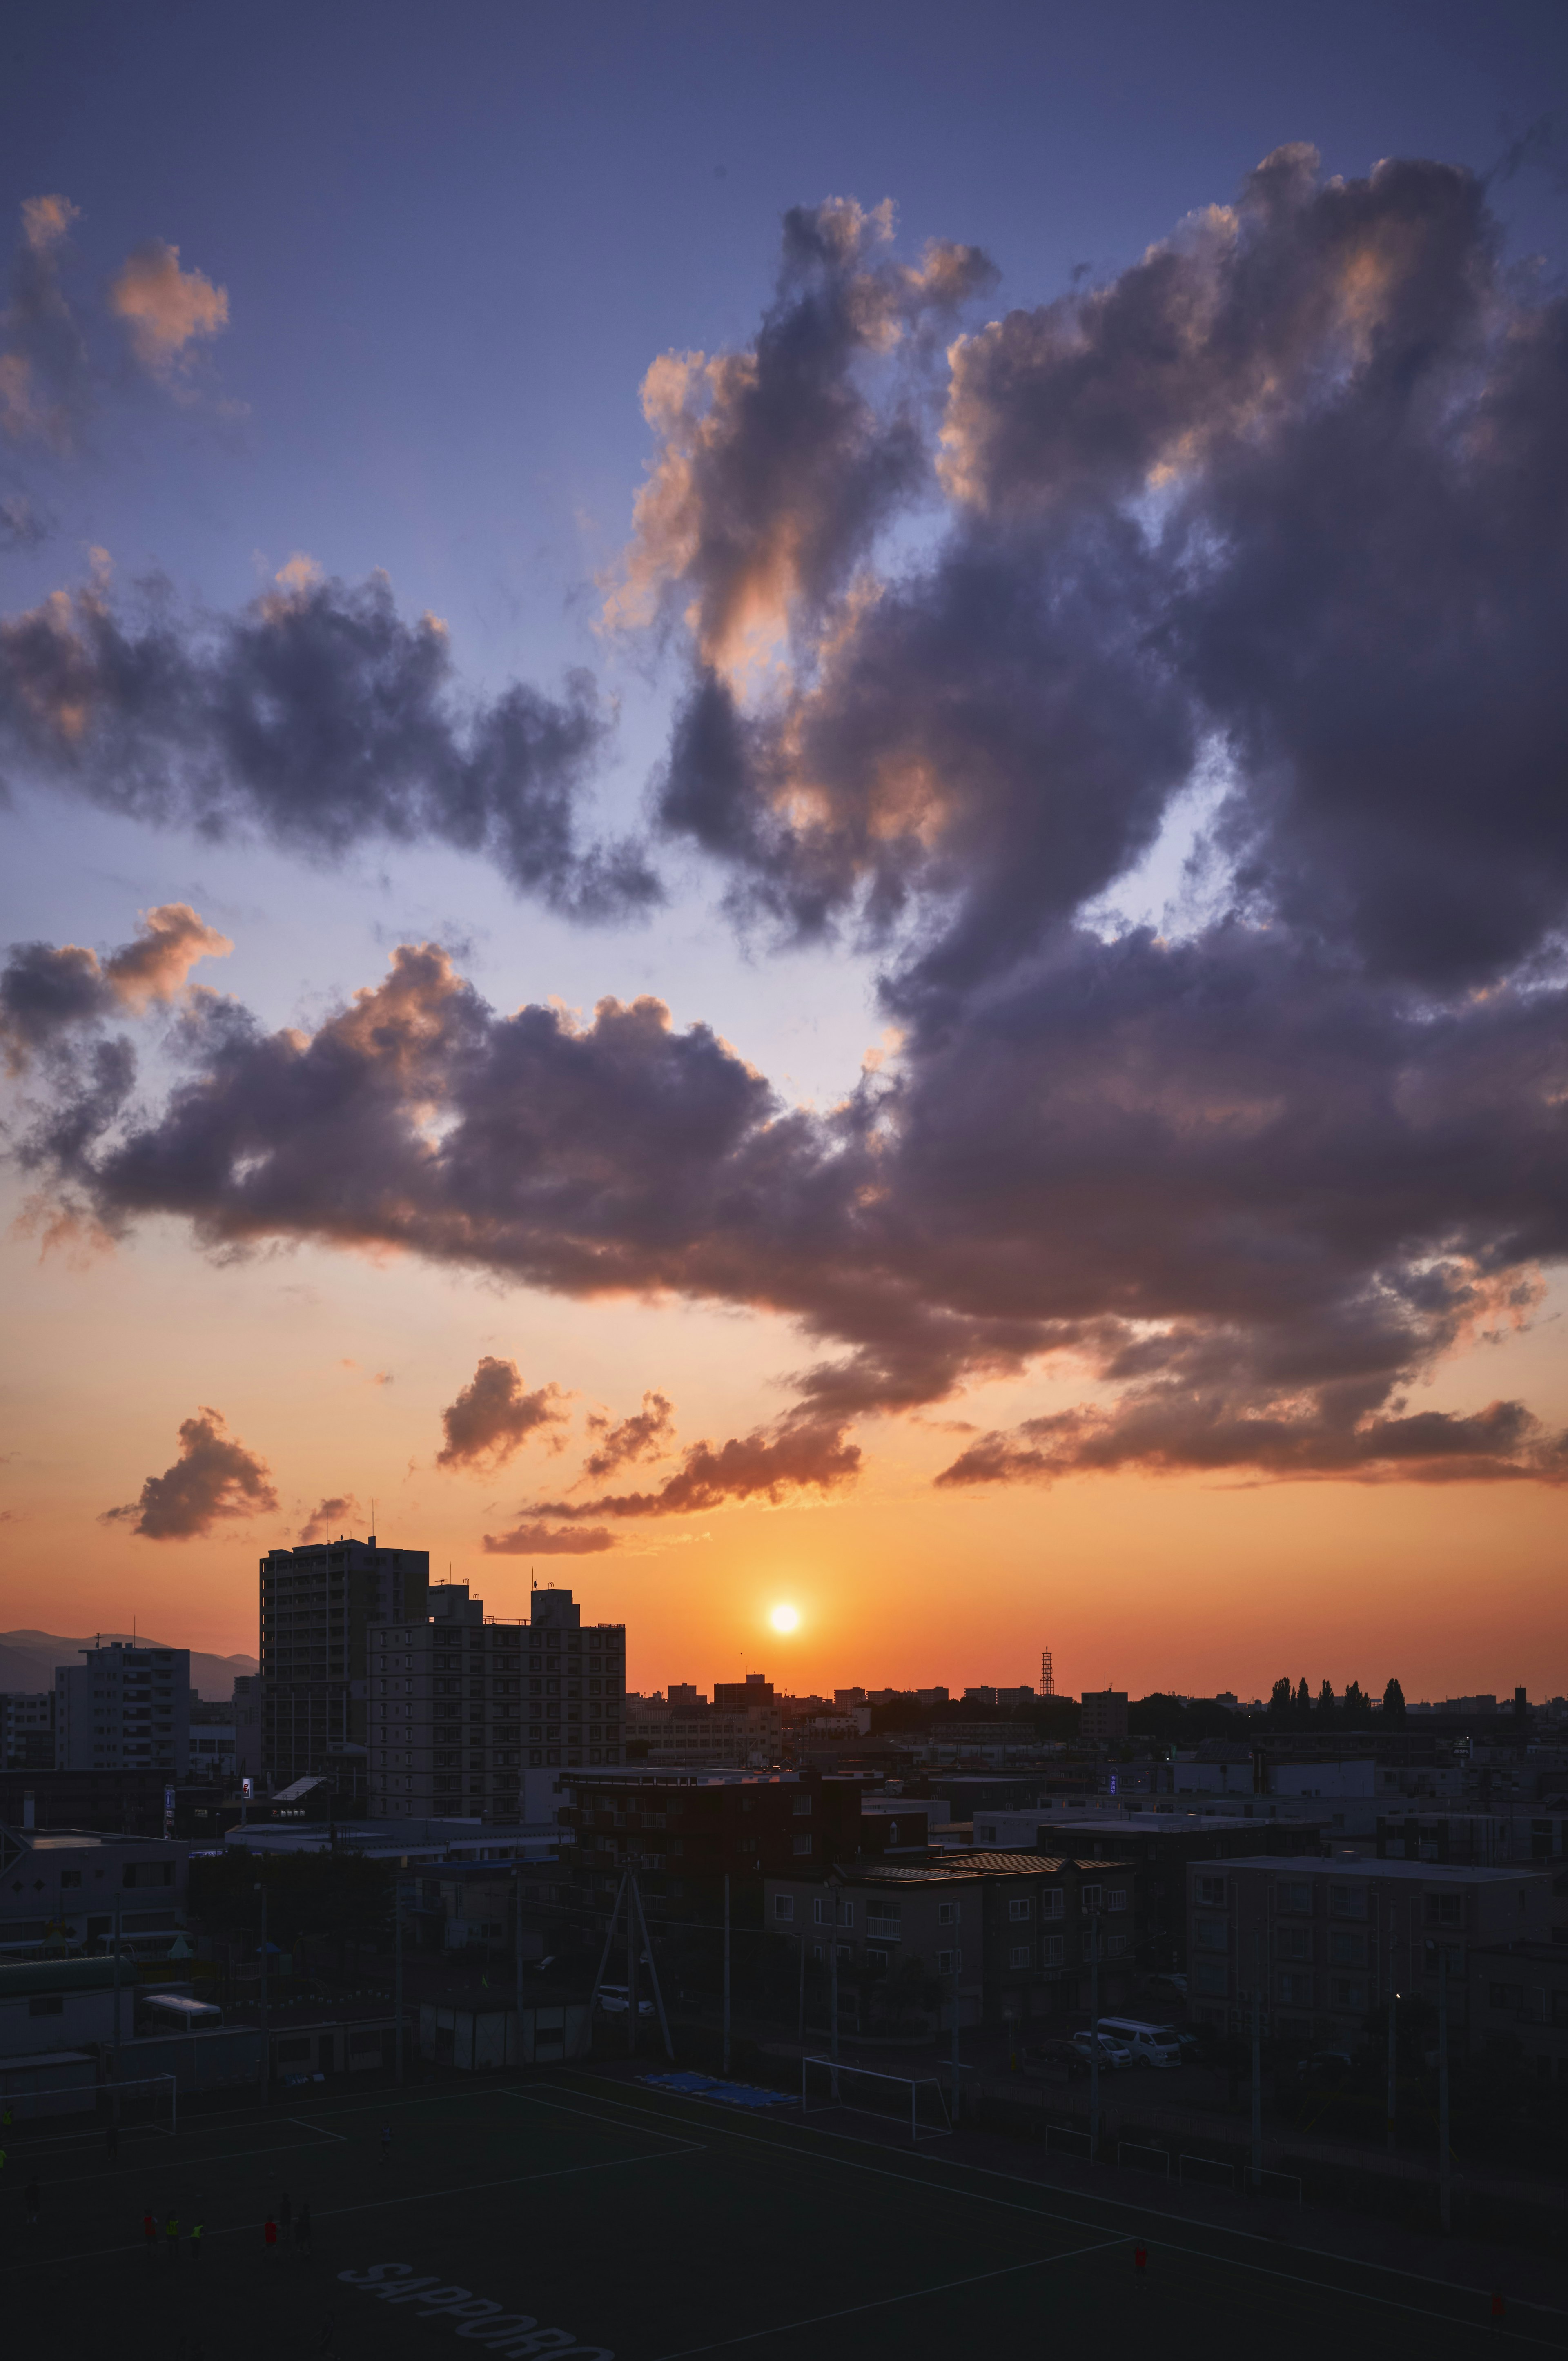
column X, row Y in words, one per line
column 1208, row 2171
column 1273, row 2184
column 1143, row 2159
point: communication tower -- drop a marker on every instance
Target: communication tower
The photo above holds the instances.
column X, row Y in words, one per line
column 1047, row 1674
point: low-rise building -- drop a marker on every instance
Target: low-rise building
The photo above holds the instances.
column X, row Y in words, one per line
column 1325, row 1940
column 682, row 1837
column 1520, row 1992
column 26, row 1730
column 66, row 1885
column 1162, row 1843
column 47, row 2007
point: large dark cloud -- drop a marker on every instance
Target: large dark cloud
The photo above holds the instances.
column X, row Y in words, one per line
column 1287, row 497
column 47, row 994
column 1228, row 1172
column 317, row 717
column 214, row 1479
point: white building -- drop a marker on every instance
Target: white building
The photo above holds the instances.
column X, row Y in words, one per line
column 126, row 1708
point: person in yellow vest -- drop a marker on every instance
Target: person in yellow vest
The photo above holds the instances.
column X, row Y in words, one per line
column 194, row 2240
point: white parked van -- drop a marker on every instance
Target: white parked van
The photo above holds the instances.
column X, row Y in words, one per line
column 1150, row 2045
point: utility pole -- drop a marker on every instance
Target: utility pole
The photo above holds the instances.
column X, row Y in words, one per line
column 1393, row 1999
column 1094, row 2039
column 800, row 2006
column 1444, row 2180
column 518, row 2060
column 1257, row 2057
column 633, row 1945
column 957, row 2067
column 117, row 2013
column 726, row 1971
column 398, row 1960
column 833, row 1996
column 266, row 2021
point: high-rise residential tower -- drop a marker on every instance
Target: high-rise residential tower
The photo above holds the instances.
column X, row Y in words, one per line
column 319, row 1605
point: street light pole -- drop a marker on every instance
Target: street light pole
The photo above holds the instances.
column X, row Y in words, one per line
column 266, row 2021
column 1257, row 2057
column 726, row 1971
column 1393, row 2000
column 1094, row 2040
column 398, row 1960
column 1444, row 2182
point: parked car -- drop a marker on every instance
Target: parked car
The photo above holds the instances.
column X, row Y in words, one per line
column 1058, row 2061
column 1150, row 2045
column 1112, row 2053
column 616, row 1999
column 1325, row 2065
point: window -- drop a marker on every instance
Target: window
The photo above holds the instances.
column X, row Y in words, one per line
column 1505, row 1995
column 948, row 1962
column 1211, row 1934
column 1293, row 1943
column 1296, row 1896
column 1295, row 1989
column 803, row 1844
column 947, row 1914
column 986, row 1835
column 884, row 1918
column 1117, row 1898
column 784, row 1905
column 875, row 1958
column 801, row 1806
column 71, row 1877
column 1053, row 1903
column 362, row 2043
column 1347, row 1950
column 295, row 2051
column 1211, row 1892
column 1345, row 1993
column 1054, row 1951
column 1090, row 1896
column 47, row 2005
column 1347, row 1900
column 1209, row 1976
column 1446, row 1909
column 1016, row 1910
column 1115, row 1947
column 1020, row 1955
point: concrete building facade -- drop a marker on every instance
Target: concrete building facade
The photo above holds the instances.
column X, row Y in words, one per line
column 26, row 1730
column 319, row 1607
column 123, row 1708
column 1327, row 1939
column 461, row 1706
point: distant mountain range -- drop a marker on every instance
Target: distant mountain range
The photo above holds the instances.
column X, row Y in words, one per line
column 27, row 1660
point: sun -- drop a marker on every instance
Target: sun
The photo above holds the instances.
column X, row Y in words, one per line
column 784, row 1619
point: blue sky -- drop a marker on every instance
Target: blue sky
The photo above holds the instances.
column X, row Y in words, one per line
column 452, row 243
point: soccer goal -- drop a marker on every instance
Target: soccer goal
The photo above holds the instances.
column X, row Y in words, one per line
column 151, row 2103
column 918, row 2102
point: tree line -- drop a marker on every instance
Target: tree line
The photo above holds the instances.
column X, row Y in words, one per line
column 1295, row 1707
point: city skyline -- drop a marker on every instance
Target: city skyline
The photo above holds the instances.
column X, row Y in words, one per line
column 808, row 867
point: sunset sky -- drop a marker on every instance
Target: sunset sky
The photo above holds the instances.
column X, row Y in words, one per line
column 786, row 822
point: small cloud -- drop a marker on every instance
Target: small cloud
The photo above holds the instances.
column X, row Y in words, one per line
column 165, row 309
column 492, row 1417
column 548, row 1541
column 46, row 221
column 646, row 1434
column 330, row 1516
column 214, row 1478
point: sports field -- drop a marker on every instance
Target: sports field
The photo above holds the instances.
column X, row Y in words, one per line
column 568, row 2214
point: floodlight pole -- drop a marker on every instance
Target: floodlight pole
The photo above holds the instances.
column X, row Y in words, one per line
column 955, row 2065
column 726, row 1972
column 1445, row 2179
column 266, row 2021
column 833, row 1996
column 652, row 1969
column 1257, row 2057
column 397, row 1960
column 800, row 2008
column 631, row 1950
column 116, row 2003
column 1393, row 1998
column 1093, row 2039
column 517, row 2060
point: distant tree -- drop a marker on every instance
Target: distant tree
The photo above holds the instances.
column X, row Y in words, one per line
column 1355, row 1705
column 1281, row 1705
column 1303, row 1701
column 1327, row 1706
column 1394, row 1702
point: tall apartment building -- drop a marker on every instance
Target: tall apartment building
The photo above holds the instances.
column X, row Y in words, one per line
column 126, row 1708
column 461, row 1704
column 319, row 1606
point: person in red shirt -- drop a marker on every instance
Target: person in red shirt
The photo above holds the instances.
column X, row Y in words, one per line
column 269, row 2233
column 149, row 2233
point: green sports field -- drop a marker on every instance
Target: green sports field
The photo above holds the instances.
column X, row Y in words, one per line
column 569, row 2214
